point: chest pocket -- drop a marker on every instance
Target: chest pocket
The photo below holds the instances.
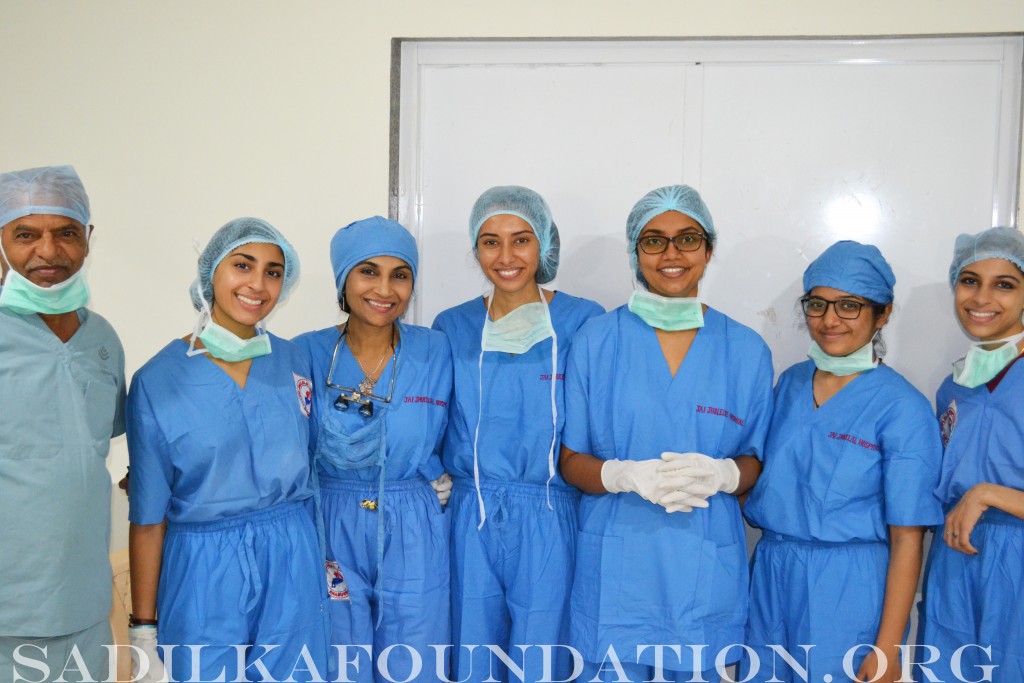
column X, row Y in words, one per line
column 100, row 408
column 856, row 474
column 32, row 420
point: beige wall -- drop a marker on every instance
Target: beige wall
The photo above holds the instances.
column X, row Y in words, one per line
column 180, row 116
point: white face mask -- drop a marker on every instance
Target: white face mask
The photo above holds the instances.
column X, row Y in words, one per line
column 667, row 313
column 518, row 330
column 980, row 365
column 859, row 361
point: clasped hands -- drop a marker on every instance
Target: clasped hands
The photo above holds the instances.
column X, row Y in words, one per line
column 678, row 482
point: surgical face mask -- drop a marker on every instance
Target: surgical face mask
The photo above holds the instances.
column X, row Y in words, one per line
column 24, row 297
column 861, row 360
column 518, row 330
column 981, row 365
column 667, row 313
column 221, row 343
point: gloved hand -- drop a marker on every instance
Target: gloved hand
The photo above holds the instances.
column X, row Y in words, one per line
column 690, row 492
column 443, row 488
column 643, row 477
column 147, row 667
column 710, row 474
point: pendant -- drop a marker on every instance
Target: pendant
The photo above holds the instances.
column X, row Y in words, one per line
column 366, row 386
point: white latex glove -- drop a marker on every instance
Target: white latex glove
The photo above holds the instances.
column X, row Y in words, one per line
column 690, row 492
column 643, row 477
column 147, row 667
column 716, row 474
column 443, row 488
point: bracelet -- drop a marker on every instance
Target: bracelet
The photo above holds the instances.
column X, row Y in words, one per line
column 135, row 621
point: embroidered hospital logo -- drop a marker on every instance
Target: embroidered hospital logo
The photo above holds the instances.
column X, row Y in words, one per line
column 104, row 354
column 304, row 391
column 948, row 422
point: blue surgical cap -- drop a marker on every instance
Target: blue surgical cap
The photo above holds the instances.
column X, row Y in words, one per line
column 855, row 268
column 233, row 235
column 367, row 238
column 681, row 198
column 54, row 190
column 1004, row 243
column 531, row 207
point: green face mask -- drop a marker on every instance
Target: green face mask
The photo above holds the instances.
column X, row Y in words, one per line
column 23, row 297
column 861, row 360
column 667, row 313
column 225, row 345
column 981, row 365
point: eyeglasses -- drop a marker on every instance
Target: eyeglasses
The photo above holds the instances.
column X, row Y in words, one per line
column 657, row 244
column 349, row 395
column 847, row 309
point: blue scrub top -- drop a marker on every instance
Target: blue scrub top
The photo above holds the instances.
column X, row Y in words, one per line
column 516, row 430
column 204, row 449
column 60, row 405
column 642, row 575
column 983, row 433
column 415, row 419
column 866, row 459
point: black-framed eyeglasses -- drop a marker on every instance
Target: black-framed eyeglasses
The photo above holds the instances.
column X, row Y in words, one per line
column 847, row 309
column 350, row 395
column 657, row 244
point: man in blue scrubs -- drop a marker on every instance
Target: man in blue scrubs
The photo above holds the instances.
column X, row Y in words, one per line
column 62, row 373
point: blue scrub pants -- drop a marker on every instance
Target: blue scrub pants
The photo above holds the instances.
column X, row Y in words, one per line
column 825, row 595
column 511, row 580
column 605, row 672
column 59, row 663
column 414, row 611
column 238, row 585
column 976, row 601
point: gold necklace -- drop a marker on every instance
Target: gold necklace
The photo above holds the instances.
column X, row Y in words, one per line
column 368, row 382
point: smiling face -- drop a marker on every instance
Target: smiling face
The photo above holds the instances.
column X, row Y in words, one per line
column 377, row 290
column 45, row 249
column 989, row 299
column 673, row 273
column 246, row 286
column 842, row 336
column 508, row 252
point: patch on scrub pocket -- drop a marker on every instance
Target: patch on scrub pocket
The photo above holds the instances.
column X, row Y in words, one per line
column 948, row 422
column 337, row 589
column 304, row 391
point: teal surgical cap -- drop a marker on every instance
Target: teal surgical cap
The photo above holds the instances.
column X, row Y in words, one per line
column 526, row 204
column 855, row 268
column 233, row 235
column 367, row 238
column 1004, row 243
column 53, row 190
column 681, row 198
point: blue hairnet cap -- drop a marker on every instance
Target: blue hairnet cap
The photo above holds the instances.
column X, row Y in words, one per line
column 231, row 236
column 1004, row 243
column 54, row 190
column 681, row 198
column 531, row 207
column 367, row 238
column 855, row 268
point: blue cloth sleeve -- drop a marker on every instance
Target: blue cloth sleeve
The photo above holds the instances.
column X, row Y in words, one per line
column 762, row 404
column 440, row 353
column 149, row 481
column 911, row 463
column 576, row 428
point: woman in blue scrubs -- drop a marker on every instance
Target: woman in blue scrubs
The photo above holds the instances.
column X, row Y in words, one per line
column 381, row 391
column 850, row 465
column 667, row 407
column 974, row 579
column 514, row 518
column 223, row 549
